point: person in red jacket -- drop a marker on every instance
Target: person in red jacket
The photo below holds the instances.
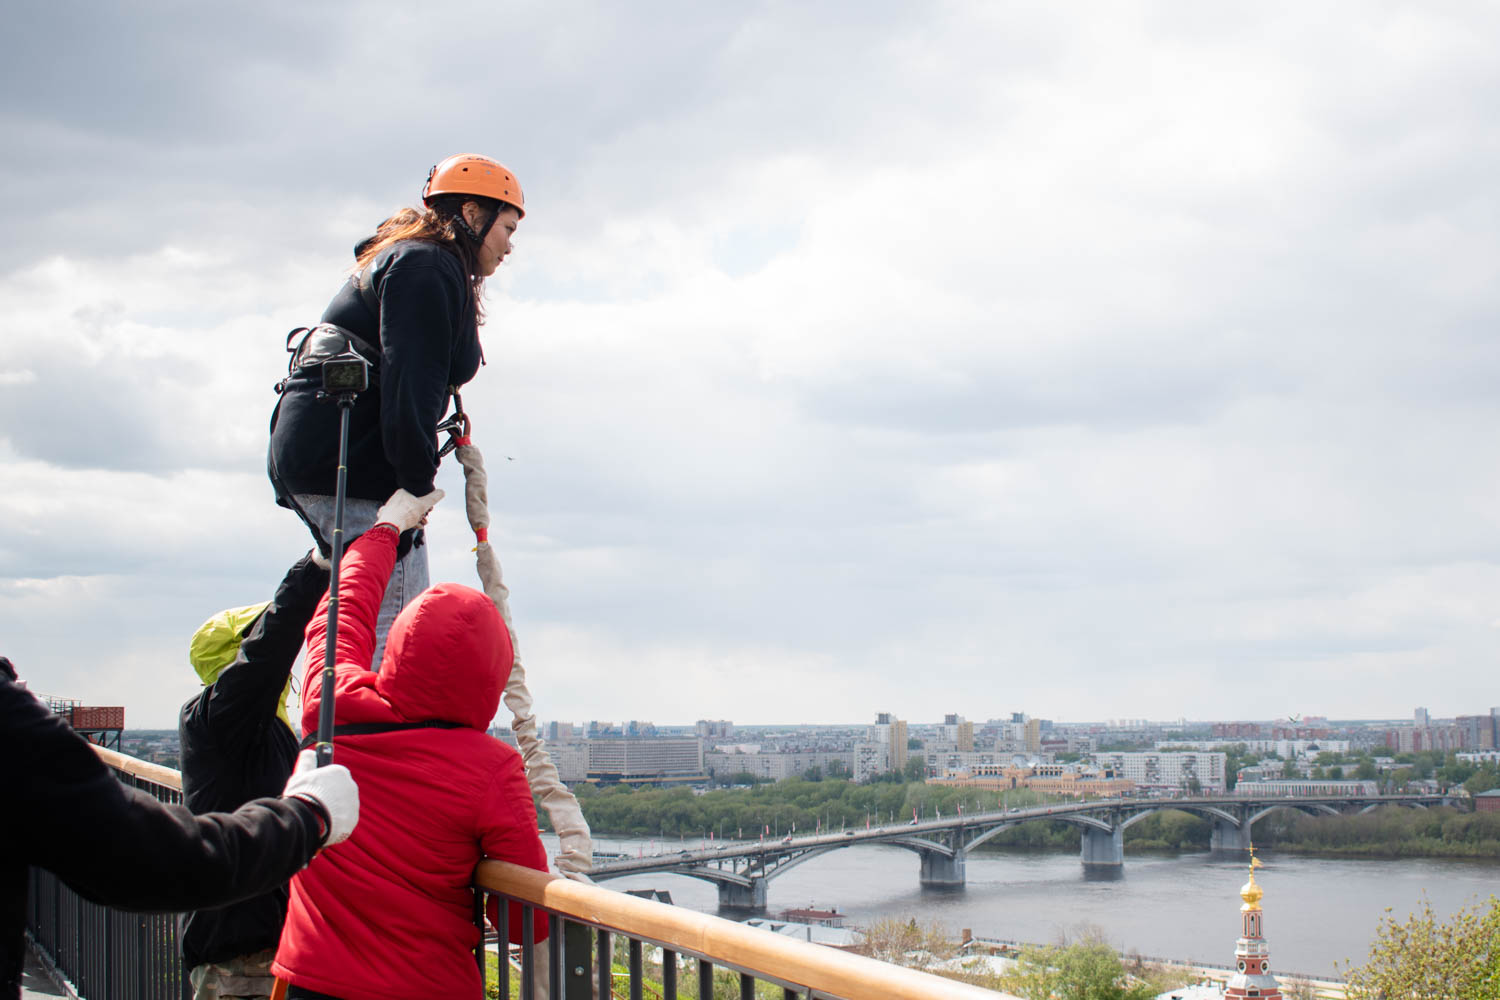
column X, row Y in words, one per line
column 388, row 913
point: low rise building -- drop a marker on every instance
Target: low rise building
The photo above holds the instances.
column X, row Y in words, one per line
column 1054, row 779
column 1306, row 789
column 1163, row 771
column 1285, row 749
column 776, row 765
column 631, row 760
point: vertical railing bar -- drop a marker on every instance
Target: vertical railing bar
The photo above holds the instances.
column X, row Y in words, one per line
column 503, row 932
column 787, row 993
column 669, row 975
column 705, row 979
column 577, row 948
column 528, row 938
column 556, row 985
column 479, row 945
column 747, row 986
column 605, row 951
column 636, row 971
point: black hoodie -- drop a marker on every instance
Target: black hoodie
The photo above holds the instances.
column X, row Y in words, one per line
column 235, row 749
column 428, row 341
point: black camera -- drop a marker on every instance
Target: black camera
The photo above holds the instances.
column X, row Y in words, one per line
column 345, row 373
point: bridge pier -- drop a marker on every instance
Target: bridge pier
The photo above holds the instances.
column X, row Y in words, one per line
column 748, row 898
column 1103, row 849
column 1229, row 838
column 942, row 870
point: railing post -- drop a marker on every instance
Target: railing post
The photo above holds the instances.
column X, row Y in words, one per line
column 479, row 948
column 502, row 930
column 669, row 975
column 576, row 962
column 556, row 986
column 528, row 965
column 705, row 980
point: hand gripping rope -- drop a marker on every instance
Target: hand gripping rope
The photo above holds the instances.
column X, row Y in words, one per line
column 577, row 848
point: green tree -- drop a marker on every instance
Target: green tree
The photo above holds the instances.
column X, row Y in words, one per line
column 1087, row 970
column 1483, row 780
column 1426, row 957
column 915, row 769
column 906, row 942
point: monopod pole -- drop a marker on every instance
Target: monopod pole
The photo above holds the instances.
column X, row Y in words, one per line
column 324, row 746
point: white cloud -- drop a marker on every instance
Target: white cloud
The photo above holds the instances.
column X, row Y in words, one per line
column 1083, row 361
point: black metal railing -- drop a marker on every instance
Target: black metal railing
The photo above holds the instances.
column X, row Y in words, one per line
column 573, row 957
column 611, row 946
column 103, row 952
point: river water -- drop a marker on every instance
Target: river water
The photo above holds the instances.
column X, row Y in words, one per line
column 1318, row 911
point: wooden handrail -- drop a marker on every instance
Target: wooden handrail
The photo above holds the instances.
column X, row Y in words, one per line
column 721, row 941
column 751, row 949
column 156, row 773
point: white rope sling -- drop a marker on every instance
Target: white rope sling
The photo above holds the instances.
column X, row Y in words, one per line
column 576, row 853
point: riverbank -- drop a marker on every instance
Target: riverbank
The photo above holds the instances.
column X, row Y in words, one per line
column 1321, row 913
column 1320, row 987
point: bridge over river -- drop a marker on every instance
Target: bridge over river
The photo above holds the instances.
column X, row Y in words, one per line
column 741, row 871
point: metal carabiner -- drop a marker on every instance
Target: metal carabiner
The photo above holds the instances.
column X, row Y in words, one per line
column 457, row 425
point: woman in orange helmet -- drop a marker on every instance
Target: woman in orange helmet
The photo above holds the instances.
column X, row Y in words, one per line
column 412, row 308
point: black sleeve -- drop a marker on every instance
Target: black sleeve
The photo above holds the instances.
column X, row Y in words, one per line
column 245, row 694
column 120, row 847
column 421, row 304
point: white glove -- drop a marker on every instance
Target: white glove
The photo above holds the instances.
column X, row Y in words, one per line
column 405, row 511
column 331, row 788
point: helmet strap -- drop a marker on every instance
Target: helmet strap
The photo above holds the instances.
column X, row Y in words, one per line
column 468, row 230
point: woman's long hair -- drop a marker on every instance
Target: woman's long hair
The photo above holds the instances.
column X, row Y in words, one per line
column 444, row 225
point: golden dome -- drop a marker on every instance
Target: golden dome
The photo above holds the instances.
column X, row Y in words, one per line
column 1251, row 894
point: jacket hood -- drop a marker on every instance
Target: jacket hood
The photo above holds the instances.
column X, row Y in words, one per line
column 217, row 642
column 448, row 656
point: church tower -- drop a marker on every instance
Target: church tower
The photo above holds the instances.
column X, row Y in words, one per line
column 1252, row 958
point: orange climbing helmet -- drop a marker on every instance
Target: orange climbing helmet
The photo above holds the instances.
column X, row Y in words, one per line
column 469, row 173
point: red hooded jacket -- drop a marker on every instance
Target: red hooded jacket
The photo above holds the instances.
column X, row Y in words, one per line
column 388, row 913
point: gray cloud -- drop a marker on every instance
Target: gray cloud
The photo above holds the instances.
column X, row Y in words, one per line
column 1037, row 349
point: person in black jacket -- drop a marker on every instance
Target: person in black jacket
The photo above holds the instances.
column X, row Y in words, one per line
column 66, row 812
column 413, row 308
column 238, row 745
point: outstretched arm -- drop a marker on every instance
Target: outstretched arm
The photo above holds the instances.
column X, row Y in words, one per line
column 363, row 573
column 119, row 846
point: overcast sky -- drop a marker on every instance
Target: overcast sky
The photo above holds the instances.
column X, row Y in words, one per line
column 1091, row 360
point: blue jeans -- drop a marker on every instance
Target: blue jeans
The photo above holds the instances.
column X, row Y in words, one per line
column 408, row 579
